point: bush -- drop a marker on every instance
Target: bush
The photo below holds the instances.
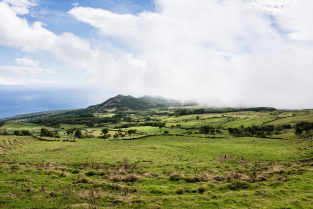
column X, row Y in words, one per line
column 90, row 136
column 287, row 126
column 26, row 133
column 17, row 133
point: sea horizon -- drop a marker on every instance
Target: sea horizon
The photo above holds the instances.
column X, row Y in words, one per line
column 22, row 100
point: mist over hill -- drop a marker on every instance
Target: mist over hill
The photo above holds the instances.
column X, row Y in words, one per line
column 121, row 102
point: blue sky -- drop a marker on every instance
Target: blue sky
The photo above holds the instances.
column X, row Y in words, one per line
column 55, row 18
column 222, row 53
column 54, row 13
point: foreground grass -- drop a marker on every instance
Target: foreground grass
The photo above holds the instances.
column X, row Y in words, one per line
column 154, row 172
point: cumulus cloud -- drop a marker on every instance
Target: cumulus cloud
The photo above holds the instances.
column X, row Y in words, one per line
column 20, row 7
column 17, row 32
column 226, row 53
column 220, row 52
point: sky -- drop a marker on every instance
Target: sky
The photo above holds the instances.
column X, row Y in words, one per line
column 238, row 53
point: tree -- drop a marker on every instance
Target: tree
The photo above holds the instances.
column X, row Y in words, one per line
column 45, row 132
column 270, row 129
column 17, row 133
column 26, row 133
column 207, row 129
column 131, row 131
column 79, row 134
column 304, row 129
column 105, row 132
column 117, row 134
column 286, row 126
column 161, row 125
column 56, row 134
column 70, row 132
column 2, row 123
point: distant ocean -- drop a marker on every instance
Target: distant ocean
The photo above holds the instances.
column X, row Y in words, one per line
column 18, row 100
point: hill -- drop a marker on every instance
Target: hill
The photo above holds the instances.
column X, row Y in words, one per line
column 122, row 103
column 86, row 116
column 161, row 101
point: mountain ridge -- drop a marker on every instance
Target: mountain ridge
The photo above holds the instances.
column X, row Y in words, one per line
column 122, row 103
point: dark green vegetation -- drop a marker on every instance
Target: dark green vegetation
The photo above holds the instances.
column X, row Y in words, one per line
column 33, row 115
column 156, row 158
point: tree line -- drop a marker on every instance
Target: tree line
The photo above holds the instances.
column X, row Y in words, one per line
column 181, row 112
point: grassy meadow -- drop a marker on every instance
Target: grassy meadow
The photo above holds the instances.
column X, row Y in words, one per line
column 184, row 169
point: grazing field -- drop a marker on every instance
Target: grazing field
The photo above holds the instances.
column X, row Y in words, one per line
column 159, row 159
column 154, row 172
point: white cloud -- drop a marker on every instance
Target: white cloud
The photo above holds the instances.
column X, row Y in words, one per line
column 25, row 69
column 20, row 7
column 27, row 62
column 26, row 66
column 297, row 21
column 219, row 52
column 11, row 82
column 272, row 7
column 4, row 81
column 17, row 32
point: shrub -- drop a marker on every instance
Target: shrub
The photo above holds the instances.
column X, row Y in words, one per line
column 287, row 126
column 17, row 133
column 90, row 136
column 26, row 133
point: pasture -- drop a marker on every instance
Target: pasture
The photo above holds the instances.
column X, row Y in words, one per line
column 184, row 168
column 154, row 172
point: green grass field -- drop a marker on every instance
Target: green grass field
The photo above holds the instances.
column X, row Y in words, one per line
column 180, row 170
column 156, row 172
